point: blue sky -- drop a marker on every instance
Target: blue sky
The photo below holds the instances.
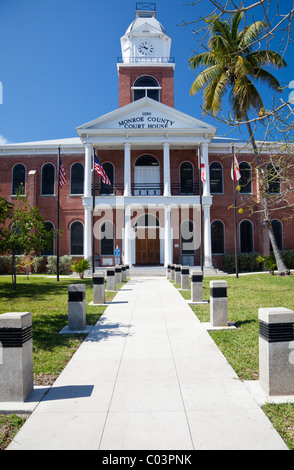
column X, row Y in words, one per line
column 58, row 63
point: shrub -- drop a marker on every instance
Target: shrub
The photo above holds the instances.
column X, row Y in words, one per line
column 268, row 262
column 64, row 264
column 79, row 266
column 38, row 264
column 246, row 263
column 6, row 264
column 288, row 257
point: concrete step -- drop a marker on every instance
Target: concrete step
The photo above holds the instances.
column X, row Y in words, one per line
column 147, row 271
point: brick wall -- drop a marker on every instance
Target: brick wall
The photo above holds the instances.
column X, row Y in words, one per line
column 164, row 76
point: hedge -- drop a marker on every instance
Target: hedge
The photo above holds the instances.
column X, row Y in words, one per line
column 247, row 261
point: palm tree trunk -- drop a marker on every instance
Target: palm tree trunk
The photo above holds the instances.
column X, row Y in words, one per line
column 281, row 267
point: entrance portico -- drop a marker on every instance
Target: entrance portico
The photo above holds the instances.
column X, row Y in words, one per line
column 147, row 182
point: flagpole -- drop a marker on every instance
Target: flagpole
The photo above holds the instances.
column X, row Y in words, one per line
column 58, row 204
column 200, row 196
column 93, row 209
column 235, row 211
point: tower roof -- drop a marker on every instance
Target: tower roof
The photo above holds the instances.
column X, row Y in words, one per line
column 146, row 14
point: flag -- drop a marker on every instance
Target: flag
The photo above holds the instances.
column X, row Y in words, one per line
column 235, row 174
column 203, row 171
column 100, row 170
column 62, row 179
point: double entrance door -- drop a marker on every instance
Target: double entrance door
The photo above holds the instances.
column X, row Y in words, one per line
column 147, row 246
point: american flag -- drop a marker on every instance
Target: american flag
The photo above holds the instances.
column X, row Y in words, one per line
column 235, row 172
column 100, row 170
column 62, row 179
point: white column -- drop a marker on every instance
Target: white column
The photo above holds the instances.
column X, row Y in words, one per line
column 88, row 233
column 167, row 237
column 204, row 153
column 166, row 169
column 127, row 170
column 88, row 174
column 207, row 238
column 128, row 237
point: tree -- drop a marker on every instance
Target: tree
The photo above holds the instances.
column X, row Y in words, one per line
column 6, row 211
column 233, row 64
column 22, row 230
column 80, row 266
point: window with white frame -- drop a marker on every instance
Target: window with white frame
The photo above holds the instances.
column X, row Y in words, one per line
column 146, row 86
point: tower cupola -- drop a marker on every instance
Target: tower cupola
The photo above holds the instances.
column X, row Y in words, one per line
column 145, row 39
column 146, row 68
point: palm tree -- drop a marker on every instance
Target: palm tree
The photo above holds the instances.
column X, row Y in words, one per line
column 233, row 65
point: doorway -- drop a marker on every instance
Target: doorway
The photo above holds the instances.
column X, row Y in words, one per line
column 147, row 240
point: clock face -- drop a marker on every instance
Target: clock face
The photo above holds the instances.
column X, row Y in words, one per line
column 145, row 48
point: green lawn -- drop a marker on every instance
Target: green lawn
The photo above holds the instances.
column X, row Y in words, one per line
column 246, row 295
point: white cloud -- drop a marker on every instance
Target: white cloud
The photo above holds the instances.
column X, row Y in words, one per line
column 3, row 141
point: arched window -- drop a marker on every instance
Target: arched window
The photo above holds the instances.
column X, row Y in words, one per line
column 146, row 86
column 147, row 220
column 49, row 250
column 48, row 179
column 273, row 178
column 77, row 239
column 245, row 182
column 187, row 178
column 278, row 232
column 217, row 237
column 77, row 178
column 246, row 236
column 18, row 179
column 188, row 242
column 109, row 170
column 107, row 238
column 216, row 178
column 147, row 160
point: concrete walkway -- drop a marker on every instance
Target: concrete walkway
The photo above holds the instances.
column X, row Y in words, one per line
column 148, row 377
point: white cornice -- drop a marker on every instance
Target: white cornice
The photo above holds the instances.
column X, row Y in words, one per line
column 70, row 146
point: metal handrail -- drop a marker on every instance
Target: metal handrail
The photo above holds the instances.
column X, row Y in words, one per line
column 178, row 190
column 134, row 60
column 145, row 189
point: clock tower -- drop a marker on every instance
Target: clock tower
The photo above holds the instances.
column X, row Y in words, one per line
column 146, row 68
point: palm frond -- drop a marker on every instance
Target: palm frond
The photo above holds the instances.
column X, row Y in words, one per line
column 236, row 19
column 205, row 58
column 220, row 45
column 242, row 66
column 269, row 57
column 206, row 76
column 244, row 95
column 267, row 78
column 251, row 33
column 214, row 93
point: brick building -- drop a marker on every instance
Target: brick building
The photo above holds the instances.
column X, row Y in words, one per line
column 150, row 213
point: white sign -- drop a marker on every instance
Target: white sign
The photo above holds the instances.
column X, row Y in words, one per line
column 146, row 120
